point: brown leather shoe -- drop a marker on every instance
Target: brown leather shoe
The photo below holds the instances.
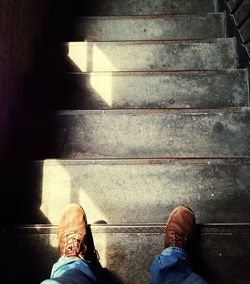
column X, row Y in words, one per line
column 72, row 232
column 180, row 228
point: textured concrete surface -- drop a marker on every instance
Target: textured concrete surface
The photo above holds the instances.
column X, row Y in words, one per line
column 150, row 55
column 127, row 252
column 142, row 28
column 199, row 89
column 147, row 133
column 145, row 191
column 138, row 7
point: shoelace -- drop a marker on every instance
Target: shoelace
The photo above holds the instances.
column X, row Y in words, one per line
column 177, row 238
column 74, row 244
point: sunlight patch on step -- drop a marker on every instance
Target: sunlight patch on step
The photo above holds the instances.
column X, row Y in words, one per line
column 94, row 214
column 58, row 192
column 89, row 57
column 103, row 87
column 78, row 54
column 56, row 187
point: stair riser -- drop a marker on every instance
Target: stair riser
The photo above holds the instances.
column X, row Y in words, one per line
column 138, row 7
column 143, row 90
column 147, row 191
column 143, row 28
column 138, row 134
column 141, row 56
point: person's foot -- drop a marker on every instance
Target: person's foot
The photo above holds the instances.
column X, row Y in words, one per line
column 72, row 232
column 180, row 228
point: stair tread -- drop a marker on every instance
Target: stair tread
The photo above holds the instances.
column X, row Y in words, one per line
column 180, row 89
column 161, row 27
column 214, row 188
column 109, row 189
column 169, row 133
column 140, row 55
column 220, row 247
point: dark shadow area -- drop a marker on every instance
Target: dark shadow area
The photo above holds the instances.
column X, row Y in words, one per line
column 21, row 197
column 200, row 266
column 104, row 275
column 75, row 8
column 220, row 256
column 60, row 84
column 21, row 192
column 233, row 31
column 33, row 138
column 29, row 253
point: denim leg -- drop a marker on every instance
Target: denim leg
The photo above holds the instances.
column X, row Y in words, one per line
column 172, row 266
column 71, row 271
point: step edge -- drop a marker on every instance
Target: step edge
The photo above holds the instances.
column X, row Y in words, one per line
column 140, row 111
column 147, row 42
column 148, row 73
column 145, row 161
column 206, row 228
column 153, row 16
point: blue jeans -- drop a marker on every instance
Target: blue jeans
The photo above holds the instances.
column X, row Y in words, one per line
column 71, row 271
column 171, row 266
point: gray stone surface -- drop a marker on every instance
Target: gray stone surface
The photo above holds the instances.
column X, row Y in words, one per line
column 151, row 55
column 127, row 252
column 149, row 133
column 198, row 89
column 143, row 28
column 145, row 191
column 138, row 7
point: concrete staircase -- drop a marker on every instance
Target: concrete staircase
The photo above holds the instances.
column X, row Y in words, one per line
column 145, row 109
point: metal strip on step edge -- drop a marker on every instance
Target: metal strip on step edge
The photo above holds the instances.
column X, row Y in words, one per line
column 150, row 161
column 204, row 229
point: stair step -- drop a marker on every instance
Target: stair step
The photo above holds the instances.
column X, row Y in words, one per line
column 145, row 133
column 220, row 246
column 127, row 28
column 140, row 56
column 144, row 191
column 138, row 7
column 191, row 89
